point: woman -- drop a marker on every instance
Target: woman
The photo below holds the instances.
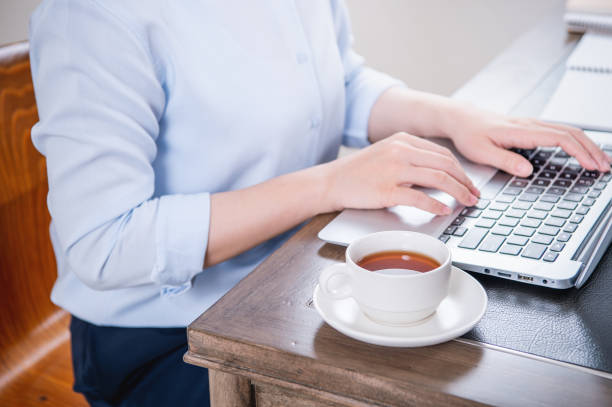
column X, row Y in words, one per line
column 185, row 140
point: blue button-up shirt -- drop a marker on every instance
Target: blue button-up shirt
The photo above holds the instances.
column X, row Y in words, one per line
column 148, row 107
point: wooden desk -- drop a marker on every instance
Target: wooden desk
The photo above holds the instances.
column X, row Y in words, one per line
column 267, row 346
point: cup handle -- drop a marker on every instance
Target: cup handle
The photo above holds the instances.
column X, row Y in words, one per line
column 337, row 270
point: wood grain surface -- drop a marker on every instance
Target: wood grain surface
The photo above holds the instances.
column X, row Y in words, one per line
column 34, row 344
column 266, row 330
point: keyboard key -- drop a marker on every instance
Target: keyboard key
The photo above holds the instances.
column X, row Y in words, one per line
column 458, row 221
column 482, row 203
column 523, row 231
column 510, row 249
column 590, row 174
column 588, row 202
column 543, row 206
column 505, row 198
column 498, row 206
column 528, row 197
column 549, row 230
column 507, row 221
column 517, row 240
column 541, row 182
column 473, row 237
column 547, row 174
column 534, row 251
column 515, row 213
column 599, row 186
column 556, row 191
column 557, row 246
column 492, row 243
column 501, row 230
column 576, row 218
column 512, row 191
column 573, row 197
column 567, row 205
column 558, row 160
column 579, row 190
column 531, row 223
column 549, row 198
column 570, row 227
column 537, row 162
column 573, row 166
column 584, row 182
column 542, row 239
column 594, row 194
column 450, row 230
column 485, row 223
column 606, row 177
column 534, row 213
column 557, row 222
column 544, row 154
column 553, row 167
column 561, row 213
column 521, row 205
column 490, row 214
column 563, row 183
column 444, row 238
column 550, row 256
column 535, row 190
column 563, row 237
column 583, row 210
column 519, row 183
column 562, row 153
column 471, row 212
column 460, row 231
column 568, row 175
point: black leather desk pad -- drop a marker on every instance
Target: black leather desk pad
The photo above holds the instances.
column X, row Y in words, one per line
column 570, row 325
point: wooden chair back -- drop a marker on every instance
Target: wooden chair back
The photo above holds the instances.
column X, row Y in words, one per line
column 27, row 262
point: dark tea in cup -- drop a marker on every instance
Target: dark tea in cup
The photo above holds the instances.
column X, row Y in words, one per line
column 398, row 259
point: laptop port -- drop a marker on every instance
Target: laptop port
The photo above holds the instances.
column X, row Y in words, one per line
column 526, row 278
column 507, row 275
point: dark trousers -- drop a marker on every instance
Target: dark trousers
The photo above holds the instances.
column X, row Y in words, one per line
column 135, row 367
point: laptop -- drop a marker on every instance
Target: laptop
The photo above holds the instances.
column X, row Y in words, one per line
column 549, row 229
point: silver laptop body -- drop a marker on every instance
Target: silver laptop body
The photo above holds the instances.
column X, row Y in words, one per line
column 550, row 230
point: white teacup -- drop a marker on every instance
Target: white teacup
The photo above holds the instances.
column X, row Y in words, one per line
column 395, row 297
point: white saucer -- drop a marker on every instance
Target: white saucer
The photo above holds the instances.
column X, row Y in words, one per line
column 456, row 315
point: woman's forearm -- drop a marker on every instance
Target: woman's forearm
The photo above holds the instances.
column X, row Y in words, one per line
column 411, row 111
column 242, row 219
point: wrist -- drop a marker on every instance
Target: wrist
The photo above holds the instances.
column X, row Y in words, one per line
column 322, row 177
column 452, row 116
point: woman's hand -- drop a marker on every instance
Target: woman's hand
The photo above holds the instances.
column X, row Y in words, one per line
column 485, row 138
column 382, row 175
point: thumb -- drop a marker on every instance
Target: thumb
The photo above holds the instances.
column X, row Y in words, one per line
column 506, row 160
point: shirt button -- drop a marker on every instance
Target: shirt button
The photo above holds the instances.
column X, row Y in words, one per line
column 302, row 58
column 315, row 123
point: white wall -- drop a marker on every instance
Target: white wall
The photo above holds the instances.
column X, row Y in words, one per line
column 434, row 45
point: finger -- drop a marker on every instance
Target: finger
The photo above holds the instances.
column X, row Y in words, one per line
column 428, row 177
column 426, row 144
column 535, row 135
column 431, row 159
column 597, row 153
column 402, row 195
column 505, row 160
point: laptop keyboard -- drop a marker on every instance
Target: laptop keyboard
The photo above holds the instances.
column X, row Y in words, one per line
column 532, row 217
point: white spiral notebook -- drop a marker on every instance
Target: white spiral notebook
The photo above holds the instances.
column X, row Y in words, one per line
column 584, row 96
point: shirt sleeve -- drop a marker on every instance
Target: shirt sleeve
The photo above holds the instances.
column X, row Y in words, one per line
column 363, row 84
column 100, row 100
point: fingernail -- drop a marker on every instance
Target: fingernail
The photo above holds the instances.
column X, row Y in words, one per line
column 524, row 168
